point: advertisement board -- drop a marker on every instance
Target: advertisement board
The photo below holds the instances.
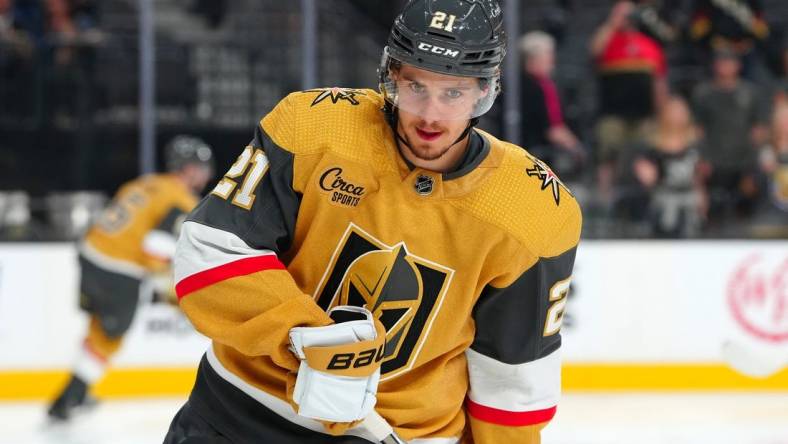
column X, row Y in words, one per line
column 641, row 315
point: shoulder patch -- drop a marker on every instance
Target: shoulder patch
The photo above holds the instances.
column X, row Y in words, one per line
column 524, row 198
column 345, row 121
column 336, row 95
column 548, row 179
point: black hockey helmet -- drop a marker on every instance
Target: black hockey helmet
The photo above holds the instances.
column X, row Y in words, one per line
column 453, row 37
column 183, row 150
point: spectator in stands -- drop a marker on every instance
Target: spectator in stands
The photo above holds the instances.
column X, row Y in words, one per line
column 17, row 68
column 29, row 19
column 213, row 11
column 61, row 28
column 6, row 17
column 772, row 217
column 781, row 90
column 84, row 14
column 732, row 25
column 73, row 35
column 665, row 186
column 731, row 114
column 544, row 131
column 13, row 43
column 655, row 18
column 632, row 84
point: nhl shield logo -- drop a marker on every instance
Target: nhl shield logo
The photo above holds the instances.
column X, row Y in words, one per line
column 402, row 290
column 424, row 185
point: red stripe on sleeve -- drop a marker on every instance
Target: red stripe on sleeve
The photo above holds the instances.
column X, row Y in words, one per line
column 241, row 267
column 507, row 418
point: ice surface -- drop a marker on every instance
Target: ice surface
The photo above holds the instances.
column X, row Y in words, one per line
column 599, row 418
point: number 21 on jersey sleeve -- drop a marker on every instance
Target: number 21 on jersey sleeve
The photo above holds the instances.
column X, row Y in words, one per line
column 244, row 197
column 555, row 314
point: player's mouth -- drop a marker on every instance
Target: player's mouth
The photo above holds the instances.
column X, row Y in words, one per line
column 428, row 136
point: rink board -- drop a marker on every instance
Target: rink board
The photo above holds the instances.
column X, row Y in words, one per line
column 641, row 316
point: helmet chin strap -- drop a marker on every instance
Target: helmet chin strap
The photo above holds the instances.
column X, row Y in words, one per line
column 392, row 118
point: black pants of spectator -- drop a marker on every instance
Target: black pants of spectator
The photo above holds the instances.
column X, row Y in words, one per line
column 727, row 196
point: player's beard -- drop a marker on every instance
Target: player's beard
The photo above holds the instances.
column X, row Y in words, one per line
column 426, row 154
column 422, row 153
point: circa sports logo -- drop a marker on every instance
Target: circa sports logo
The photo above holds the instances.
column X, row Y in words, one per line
column 758, row 297
column 342, row 191
column 404, row 291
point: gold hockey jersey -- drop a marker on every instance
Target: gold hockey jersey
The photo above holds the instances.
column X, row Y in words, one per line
column 468, row 272
column 135, row 233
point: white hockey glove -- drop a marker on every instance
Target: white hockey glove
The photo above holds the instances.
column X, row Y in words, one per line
column 340, row 365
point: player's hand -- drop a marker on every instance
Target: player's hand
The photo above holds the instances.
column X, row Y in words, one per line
column 338, row 376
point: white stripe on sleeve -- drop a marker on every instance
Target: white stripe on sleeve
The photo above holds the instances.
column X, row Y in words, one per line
column 525, row 387
column 202, row 248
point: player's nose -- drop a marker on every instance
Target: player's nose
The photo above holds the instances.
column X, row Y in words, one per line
column 431, row 110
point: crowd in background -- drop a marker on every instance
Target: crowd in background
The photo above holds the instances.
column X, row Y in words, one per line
column 686, row 159
column 46, row 52
column 688, row 128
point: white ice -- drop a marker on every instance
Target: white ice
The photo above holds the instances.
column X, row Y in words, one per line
column 622, row 418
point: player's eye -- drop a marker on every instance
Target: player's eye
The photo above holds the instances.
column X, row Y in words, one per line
column 416, row 88
column 453, row 94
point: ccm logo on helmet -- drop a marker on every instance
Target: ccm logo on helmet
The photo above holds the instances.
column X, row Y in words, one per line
column 426, row 47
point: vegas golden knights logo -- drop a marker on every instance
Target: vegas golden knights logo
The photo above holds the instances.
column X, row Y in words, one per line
column 402, row 290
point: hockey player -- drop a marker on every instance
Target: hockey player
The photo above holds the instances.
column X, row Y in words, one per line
column 133, row 239
column 376, row 251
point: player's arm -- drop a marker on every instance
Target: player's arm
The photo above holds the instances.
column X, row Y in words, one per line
column 159, row 243
column 229, row 278
column 514, row 362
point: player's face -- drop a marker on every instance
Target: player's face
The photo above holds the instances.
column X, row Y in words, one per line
column 197, row 176
column 434, row 109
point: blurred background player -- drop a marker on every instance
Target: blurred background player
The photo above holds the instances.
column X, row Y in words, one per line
column 134, row 239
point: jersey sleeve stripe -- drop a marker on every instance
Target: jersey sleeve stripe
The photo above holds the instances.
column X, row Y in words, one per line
column 206, row 255
column 531, row 386
column 507, row 418
column 241, row 267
